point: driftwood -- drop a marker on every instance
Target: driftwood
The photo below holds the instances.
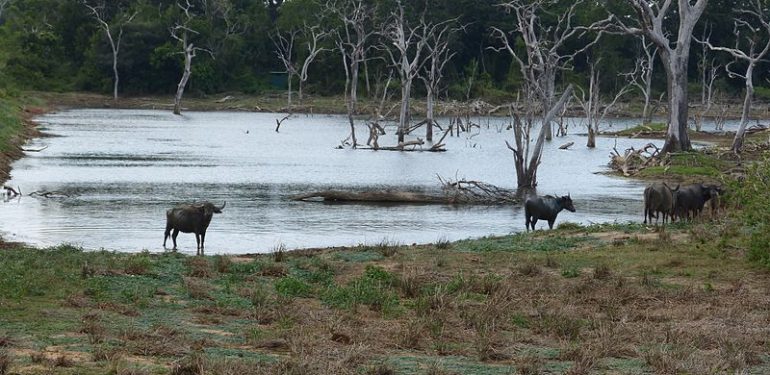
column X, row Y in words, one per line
column 632, row 161
column 49, row 194
column 226, row 98
column 404, row 146
column 34, row 149
column 566, row 145
column 452, row 192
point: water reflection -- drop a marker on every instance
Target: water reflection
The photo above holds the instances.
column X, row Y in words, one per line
column 119, row 170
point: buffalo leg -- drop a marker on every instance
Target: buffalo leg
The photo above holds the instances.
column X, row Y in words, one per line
column 533, row 222
column 203, row 239
column 526, row 222
column 197, row 243
column 173, row 237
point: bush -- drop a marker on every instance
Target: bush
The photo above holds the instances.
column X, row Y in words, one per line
column 292, row 287
column 751, row 197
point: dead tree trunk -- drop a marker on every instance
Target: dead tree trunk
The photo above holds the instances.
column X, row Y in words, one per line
column 641, row 77
column 748, row 53
column 438, row 55
column 649, row 17
column 99, row 14
column 188, row 50
column 593, row 104
column 313, row 36
column 544, row 54
column 351, row 39
column 526, row 170
column 284, row 49
column 406, row 56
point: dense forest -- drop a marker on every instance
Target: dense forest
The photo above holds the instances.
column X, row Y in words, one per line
column 63, row 45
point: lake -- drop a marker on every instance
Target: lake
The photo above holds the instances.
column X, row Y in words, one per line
column 118, row 171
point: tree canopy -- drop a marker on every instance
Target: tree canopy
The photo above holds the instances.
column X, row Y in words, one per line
column 56, row 45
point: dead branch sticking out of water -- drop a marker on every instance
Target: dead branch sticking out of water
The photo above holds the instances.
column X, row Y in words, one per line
column 452, row 192
column 566, row 145
column 279, row 122
column 632, row 161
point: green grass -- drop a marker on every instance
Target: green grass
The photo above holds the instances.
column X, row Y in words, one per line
column 10, row 121
column 522, row 242
column 688, row 165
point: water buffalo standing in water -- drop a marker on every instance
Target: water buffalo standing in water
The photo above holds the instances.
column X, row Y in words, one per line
column 190, row 218
column 691, row 199
column 545, row 208
column 659, row 198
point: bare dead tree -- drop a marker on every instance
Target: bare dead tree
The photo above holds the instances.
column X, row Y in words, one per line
column 409, row 43
column 592, row 104
column 543, row 55
column 649, row 16
column 182, row 33
column 438, row 55
column 750, row 50
column 313, row 36
column 119, row 21
column 284, row 49
column 527, row 163
column 641, row 77
column 351, row 40
column 710, row 74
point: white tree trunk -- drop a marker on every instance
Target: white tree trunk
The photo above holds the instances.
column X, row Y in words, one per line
column 188, row 56
column 740, row 134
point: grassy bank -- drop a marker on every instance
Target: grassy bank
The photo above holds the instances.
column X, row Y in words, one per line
column 15, row 127
column 610, row 298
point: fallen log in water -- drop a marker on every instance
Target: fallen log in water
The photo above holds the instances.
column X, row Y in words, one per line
column 370, row 196
column 452, row 192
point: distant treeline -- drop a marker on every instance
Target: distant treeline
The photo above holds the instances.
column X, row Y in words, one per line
column 60, row 45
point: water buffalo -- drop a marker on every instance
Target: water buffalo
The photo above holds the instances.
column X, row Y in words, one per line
column 190, row 218
column 691, row 199
column 659, row 198
column 545, row 208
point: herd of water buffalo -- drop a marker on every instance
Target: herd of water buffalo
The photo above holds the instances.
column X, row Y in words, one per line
column 681, row 202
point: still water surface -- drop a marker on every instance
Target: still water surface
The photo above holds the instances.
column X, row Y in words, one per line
column 121, row 169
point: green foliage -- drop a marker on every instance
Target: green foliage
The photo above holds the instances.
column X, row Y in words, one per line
column 57, row 45
column 687, row 164
column 291, row 286
column 373, row 289
column 762, row 93
column 752, row 197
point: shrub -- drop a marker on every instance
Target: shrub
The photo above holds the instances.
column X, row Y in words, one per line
column 290, row 286
column 752, row 197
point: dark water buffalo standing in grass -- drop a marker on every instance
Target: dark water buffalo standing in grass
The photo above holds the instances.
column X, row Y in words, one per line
column 545, row 208
column 191, row 218
column 691, row 199
column 659, row 198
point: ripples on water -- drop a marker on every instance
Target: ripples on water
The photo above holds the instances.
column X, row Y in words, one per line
column 123, row 168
